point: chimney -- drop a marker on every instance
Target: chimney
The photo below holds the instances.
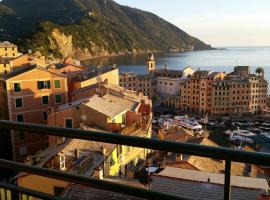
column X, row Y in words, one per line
column 28, row 160
column 166, row 67
column 179, row 157
column 77, row 154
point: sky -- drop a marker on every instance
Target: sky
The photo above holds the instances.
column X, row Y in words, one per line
column 221, row 23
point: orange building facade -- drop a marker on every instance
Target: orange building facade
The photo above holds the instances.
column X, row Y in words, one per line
column 196, row 91
column 30, row 95
column 220, row 94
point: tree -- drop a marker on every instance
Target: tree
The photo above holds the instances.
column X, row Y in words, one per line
column 260, row 71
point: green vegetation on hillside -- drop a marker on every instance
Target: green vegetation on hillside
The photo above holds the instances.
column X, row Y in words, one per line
column 95, row 25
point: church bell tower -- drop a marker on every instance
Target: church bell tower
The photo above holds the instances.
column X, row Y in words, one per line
column 151, row 63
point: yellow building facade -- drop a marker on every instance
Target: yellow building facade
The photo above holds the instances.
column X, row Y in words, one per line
column 8, row 49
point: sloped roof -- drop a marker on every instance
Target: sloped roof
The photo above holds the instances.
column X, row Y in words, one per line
column 192, row 184
column 209, row 164
column 88, row 193
column 216, row 178
column 6, row 44
column 27, row 69
column 106, row 107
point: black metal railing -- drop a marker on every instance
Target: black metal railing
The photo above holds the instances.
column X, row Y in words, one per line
column 229, row 155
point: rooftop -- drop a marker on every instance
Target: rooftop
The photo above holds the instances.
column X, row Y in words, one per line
column 209, row 164
column 125, row 103
column 87, row 193
column 95, row 71
column 7, row 44
column 90, row 152
column 215, row 178
column 105, row 106
column 27, row 69
column 190, row 186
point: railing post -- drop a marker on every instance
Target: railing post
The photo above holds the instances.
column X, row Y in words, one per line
column 227, row 180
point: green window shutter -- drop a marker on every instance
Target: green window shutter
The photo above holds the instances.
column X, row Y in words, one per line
column 69, row 123
column 17, row 87
column 45, row 100
column 57, row 84
column 40, row 85
column 58, row 98
column 48, row 84
column 18, row 103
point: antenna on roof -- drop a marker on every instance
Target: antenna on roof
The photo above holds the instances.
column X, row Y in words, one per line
column 99, row 78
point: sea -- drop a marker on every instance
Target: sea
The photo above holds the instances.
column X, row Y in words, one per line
column 220, row 59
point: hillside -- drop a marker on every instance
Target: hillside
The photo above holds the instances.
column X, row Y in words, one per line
column 88, row 28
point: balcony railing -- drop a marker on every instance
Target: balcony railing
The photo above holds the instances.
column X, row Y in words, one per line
column 226, row 154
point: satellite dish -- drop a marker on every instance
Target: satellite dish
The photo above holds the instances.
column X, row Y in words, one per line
column 83, row 117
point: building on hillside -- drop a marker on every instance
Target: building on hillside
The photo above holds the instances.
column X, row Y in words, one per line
column 29, row 94
column 8, row 50
column 192, row 184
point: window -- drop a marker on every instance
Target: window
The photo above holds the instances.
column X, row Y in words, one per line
column 57, row 84
column 58, row 98
column 45, row 100
column 19, row 103
column 45, row 115
column 58, row 190
column 17, row 87
column 43, row 85
column 19, row 118
column 68, row 123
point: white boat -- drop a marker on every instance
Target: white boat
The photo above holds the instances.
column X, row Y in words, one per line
column 244, row 133
column 265, row 135
column 239, row 139
column 265, row 128
column 266, row 124
column 177, row 117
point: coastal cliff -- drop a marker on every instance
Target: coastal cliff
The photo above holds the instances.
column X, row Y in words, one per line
column 87, row 29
